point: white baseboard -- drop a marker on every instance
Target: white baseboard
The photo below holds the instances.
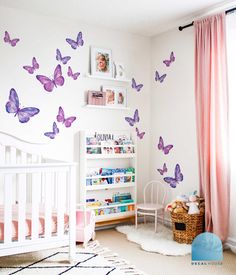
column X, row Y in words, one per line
column 231, row 243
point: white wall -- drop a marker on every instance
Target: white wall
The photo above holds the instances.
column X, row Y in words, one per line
column 173, row 109
column 39, row 37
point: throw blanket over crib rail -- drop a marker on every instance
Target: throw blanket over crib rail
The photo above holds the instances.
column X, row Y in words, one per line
column 37, row 199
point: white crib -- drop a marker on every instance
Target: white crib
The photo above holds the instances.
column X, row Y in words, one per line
column 37, row 199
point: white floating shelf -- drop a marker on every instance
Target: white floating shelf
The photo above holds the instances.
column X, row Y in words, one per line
column 105, row 107
column 109, row 186
column 108, row 78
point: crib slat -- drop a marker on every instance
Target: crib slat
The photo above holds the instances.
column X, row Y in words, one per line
column 12, row 155
column 61, row 195
column 8, row 209
column 21, row 179
column 48, row 206
column 36, row 181
column 2, row 154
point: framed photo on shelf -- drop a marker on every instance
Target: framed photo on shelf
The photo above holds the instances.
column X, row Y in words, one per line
column 115, row 96
column 119, row 70
column 101, row 62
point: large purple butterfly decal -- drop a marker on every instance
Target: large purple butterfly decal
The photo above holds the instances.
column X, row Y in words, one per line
column 135, row 86
column 33, row 68
column 10, row 41
column 71, row 74
column 61, row 59
column 159, row 78
column 133, row 120
column 178, row 177
column 75, row 44
column 168, row 62
column 49, row 84
column 163, row 170
column 166, row 149
column 13, row 107
column 139, row 134
column 54, row 132
column 66, row 121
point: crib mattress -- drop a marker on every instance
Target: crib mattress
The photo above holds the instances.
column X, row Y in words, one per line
column 28, row 222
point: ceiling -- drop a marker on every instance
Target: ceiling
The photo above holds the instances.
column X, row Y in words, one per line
column 143, row 17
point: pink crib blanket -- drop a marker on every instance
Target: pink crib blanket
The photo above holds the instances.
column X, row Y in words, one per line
column 28, row 222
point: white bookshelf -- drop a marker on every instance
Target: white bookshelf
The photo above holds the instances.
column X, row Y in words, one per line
column 108, row 78
column 102, row 191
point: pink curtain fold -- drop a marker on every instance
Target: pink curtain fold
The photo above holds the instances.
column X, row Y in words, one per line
column 211, row 95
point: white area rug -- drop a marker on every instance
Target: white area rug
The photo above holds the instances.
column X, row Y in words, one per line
column 94, row 260
column 160, row 242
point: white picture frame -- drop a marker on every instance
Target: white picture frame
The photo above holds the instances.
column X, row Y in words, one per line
column 101, row 62
column 115, row 96
column 119, row 70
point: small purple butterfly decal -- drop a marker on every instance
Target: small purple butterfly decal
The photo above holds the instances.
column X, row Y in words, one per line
column 74, row 44
column 10, row 41
column 133, row 120
column 159, row 78
column 33, row 68
column 166, row 149
column 54, row 132
column 66, row 121
column 163, row 170
column 48, row 83
column 61, row 59
column 139, row 134
column 168, row 62
column 13, row 107
column 135, row 86
column 178, row 177
column 71, row 74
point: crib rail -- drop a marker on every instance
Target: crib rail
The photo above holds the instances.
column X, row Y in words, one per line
column 36, row 194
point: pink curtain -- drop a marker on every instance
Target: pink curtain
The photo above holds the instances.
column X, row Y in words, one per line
column 211, row 96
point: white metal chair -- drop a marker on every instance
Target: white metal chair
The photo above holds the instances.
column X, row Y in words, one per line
column 154, row 195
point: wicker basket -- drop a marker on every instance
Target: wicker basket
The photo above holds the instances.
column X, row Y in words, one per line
column 186, row 227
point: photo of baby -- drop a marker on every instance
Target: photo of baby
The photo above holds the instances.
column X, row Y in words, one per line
column 101, row 62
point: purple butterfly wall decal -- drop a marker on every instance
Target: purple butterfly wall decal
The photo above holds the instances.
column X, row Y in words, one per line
column 54, row 132
column 75, row 44
column 10, row 41
column 166, row 149
column 33, row 68
column 66, row 121
column 167, row 62
column 71, row 74
column 159, row 78
column 49, row 84
column 135, row 86
column 133, row 120
column 61, row 59
column 178, row 177
column 139, row 134
column 163, row 170
column 13, row 107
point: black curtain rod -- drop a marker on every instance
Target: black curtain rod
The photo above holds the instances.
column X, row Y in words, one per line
column 191, row 24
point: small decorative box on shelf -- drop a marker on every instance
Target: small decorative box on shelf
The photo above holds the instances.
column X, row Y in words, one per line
column 108, row 173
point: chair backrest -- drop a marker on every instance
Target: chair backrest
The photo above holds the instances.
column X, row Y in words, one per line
column 155, row 192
